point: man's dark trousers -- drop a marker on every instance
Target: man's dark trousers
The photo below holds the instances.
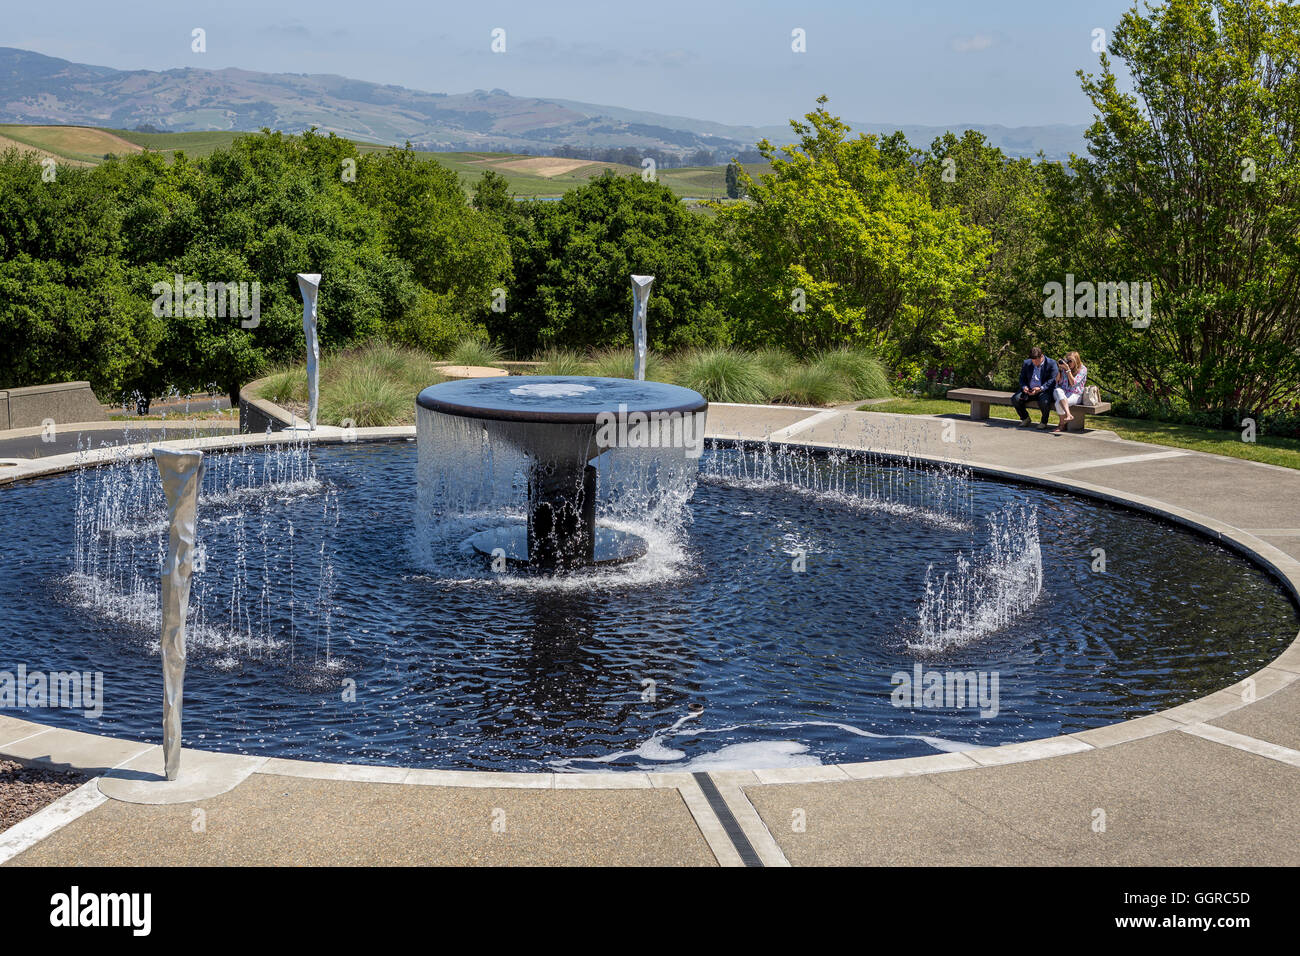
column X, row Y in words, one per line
column 1043, row 398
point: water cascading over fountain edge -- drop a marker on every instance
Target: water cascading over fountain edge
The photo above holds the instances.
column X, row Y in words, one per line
column 555, row 450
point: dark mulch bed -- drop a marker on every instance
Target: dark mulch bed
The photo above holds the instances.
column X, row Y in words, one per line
column 24, row 790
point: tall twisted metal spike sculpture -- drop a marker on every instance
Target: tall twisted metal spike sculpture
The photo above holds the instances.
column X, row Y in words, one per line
column 182, row 473
column 309, row 285
column 640, row 296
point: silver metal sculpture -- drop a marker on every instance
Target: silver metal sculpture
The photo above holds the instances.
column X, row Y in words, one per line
column 640, row 296
column 309, row 285
column 182, row 473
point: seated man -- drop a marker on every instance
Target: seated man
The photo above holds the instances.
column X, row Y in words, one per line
column 1037, row 379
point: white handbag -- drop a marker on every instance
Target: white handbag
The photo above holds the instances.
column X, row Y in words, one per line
column 1091, row 395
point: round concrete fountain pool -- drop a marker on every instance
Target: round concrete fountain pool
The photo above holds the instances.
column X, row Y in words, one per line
column 790, row 608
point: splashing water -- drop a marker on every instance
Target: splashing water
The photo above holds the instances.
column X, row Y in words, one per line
column 245, row 598
column 473, row 475
column 865, row 480
column 986, row 591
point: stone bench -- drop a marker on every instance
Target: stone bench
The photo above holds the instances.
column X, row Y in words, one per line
column 981, row 398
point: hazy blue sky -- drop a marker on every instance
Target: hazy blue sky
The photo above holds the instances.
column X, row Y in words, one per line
column 935, row 62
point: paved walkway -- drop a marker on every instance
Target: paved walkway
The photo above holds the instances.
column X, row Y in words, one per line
column 37, row 443
column 1215, row 781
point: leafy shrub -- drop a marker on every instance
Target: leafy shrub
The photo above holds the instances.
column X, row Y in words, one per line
column 431, row 325
column 1284, row 423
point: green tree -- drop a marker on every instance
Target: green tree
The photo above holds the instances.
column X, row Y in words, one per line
column 573, row 259
column 403, row 254
column 836, row 246
column 453, row 248
column 69, row 307
column 734, row 190
column 492, row 195
column 1193, row 184
column 267, row 208
column 1006, row 198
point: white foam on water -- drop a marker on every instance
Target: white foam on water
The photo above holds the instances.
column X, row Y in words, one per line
column 141, row 609
column 281, row 491
column 552, row 390
column 795, row 544
column 456, row 564
column 748, row 755
column 652, row 748
column 753, row 755
column 942, row 744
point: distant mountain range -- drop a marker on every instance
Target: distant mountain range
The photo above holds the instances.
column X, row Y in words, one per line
column 39, row 89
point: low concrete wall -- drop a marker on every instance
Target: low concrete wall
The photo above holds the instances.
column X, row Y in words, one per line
column 64, row 402
column 257, row 415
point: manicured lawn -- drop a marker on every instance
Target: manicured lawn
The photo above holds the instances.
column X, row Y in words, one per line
column 1272, row 451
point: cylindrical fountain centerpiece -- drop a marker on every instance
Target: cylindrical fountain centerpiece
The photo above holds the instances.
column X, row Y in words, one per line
column 559, row 449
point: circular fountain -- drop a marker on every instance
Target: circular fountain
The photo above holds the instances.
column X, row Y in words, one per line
column 794, row 606
column 556, row 435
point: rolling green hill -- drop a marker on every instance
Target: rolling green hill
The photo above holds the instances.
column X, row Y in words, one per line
column 529, row 176
column 83, row 145
column 192, row 144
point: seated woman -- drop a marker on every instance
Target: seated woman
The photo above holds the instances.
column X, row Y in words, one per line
column 1071, row 377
